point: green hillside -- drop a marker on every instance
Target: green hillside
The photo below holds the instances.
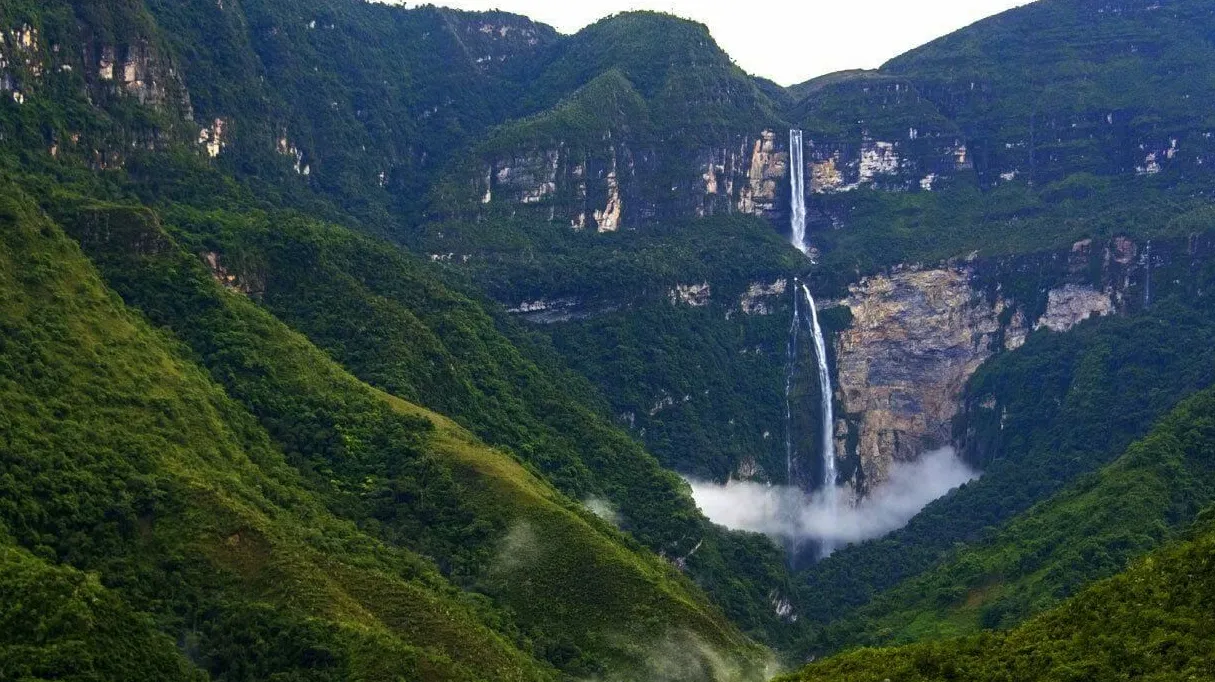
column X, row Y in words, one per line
column 1151, row 622
column 125, row 461
column 349, row 341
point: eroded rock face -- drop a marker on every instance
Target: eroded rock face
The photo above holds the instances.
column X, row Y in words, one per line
column 916, row 337
column 767, row 168
column 1072, row 304
column 616, row 184
column 695, row 295
column 760, row 297
column 247, row 283
column 138, row 71
column 530, row 177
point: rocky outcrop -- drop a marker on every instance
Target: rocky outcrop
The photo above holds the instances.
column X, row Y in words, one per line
column 608, row 219
column 766, row 169
column 246, row 283
column 760, row 298
column 136, row 71
column 695, row 295
column 563, row 309
column 211, row 138
column 917, row 335
column 616, row 184
column 1071, row 304
column 915, row 338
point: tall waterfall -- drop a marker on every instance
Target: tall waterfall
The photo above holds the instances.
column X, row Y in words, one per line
column 1147, row 286
column 830, row 494
column 790, row 370
column 797, row 179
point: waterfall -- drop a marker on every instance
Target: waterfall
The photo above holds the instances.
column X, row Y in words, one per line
column 1147, row 288
column 790, row 368
column 830, row 494
column 797, row 179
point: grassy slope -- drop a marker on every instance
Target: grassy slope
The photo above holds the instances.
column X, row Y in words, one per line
column 121, row 458
column 392, row 324
column 592, row 600
column 1150, row 622
column 1088, row 532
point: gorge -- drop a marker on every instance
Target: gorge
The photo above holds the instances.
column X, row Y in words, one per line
column 344, row 340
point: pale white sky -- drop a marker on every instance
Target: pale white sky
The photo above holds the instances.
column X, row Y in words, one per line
column 787, row 41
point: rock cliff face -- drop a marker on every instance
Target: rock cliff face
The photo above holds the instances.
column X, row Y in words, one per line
column 869, row 129
column 917, row 335
column 125, row 66
column 624, row 184
column 765, row 169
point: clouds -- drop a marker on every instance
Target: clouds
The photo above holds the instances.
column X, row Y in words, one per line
column 603, row 509
column 789, row 514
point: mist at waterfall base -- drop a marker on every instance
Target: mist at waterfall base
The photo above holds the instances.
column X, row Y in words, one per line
column 788, row 514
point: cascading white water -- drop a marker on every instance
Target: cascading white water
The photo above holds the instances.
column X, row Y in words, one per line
column 1147, row 286
column 830, row 494
column 790, row 369
column 797, row 179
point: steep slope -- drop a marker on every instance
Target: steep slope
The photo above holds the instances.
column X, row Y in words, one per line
column 300, row 105
column 60, row 623
column 1150, row 622
column 1085, row 533
column 1063, row 118
column 870, row 129
column 365, row 101
column 1066, row 86
column 127, row 462
column 476, row 512
column 661, row 126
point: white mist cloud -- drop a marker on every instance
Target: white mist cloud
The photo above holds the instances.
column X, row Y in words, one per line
column 603, row 509
column 787, row 513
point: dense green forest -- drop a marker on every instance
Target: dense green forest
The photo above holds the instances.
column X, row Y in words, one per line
column 396, row 475
column 1150, row 622
column 340, row 340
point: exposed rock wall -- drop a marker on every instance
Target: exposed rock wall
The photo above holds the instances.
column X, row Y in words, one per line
column 917, row 335
column 623, row 184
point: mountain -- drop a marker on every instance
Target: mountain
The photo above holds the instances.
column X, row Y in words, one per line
column 1149, row 622
column 187, row 224
column 343, row 340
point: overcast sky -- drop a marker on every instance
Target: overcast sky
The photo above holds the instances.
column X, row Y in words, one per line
column 788, row 41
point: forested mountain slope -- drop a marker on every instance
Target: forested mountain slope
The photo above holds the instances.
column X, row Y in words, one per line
column 169, row 233
column 1151, row 622
column 391, row 477
column 349, row 341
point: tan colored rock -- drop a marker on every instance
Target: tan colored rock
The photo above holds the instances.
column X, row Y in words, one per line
column 695, row 295
column 825, row 176
column 609, row 218
column 1016, row 332
column 212, row 138
column 878, row 158
column 758, row 297
column 768, row 167
column 248, row 284
column 1072, row 304
column 916, row 337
